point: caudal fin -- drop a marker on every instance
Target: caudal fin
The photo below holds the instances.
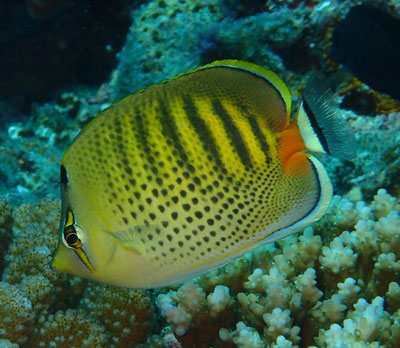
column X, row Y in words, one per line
column 321, row 123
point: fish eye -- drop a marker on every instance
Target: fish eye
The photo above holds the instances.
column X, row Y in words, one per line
column 73, row 241
column 73, row 237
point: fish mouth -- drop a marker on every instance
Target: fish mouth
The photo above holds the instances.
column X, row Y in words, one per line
column 57, row 265
column 54, row 265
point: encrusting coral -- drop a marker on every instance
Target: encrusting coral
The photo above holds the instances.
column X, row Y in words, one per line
column 16, row 314
column 43, row 308
column 126, row 314
column 5, row 230
column 69, row 329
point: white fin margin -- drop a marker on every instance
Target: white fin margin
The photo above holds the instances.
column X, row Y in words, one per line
column 320, row 208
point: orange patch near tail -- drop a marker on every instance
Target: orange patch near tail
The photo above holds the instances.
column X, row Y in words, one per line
column 290, row 152
column 298, row 164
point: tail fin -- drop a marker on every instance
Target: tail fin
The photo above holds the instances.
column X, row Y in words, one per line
column 321, row 124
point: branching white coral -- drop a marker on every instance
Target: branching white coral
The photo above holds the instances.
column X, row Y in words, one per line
column 363, row 327
column 253, row 304
column 393, row 295
column 178, row 307
column 255, row 281
column 304, row 253
column 244, row 336
column 282, row 342
column 306, row 284
column 367, row 319
column 348, row 290
column 388, row 228
column 219, row 300
column 175, row 315
column 279, row 323
column 383, row 204
column 333, row 308
column 277, row 288
column 339, row 255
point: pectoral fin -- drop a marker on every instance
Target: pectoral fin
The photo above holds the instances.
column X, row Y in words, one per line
column 133, row 238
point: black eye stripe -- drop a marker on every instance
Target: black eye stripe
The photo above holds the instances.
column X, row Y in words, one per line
column 63, row 176
column 68, row 230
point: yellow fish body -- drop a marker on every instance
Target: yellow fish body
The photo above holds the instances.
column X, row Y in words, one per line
column 192, row 173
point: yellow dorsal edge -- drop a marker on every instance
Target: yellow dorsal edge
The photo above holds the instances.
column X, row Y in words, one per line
column 259, row 70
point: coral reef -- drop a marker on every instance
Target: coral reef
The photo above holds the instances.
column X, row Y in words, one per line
column 169, row 33
column 213, row 30
column 69, row 329
column 333, row 285
column 42, row 308
column 30, row 151
column 5, row 230
column 126, row 314
column 376, row 163
column 16, row 314
column 335, row 282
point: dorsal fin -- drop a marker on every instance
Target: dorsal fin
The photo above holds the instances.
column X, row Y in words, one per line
column 251, row 87
column 321, row 124
column 259, row 70
column 273, row 106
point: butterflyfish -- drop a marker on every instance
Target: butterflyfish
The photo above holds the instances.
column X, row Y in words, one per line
column 189, row 174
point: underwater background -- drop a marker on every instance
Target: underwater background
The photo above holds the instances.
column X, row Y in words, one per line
column 335, row 284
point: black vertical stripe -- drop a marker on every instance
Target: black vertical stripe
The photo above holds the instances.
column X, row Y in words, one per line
column 119, row 142
column 142, row 136
column 315, row 126
column 232, row 132
column 255, row 127
column 169, row 128
column 120, row 150
column 201, row 129
column 262, row 142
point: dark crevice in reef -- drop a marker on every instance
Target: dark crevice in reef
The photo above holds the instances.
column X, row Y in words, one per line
column 47, row 46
